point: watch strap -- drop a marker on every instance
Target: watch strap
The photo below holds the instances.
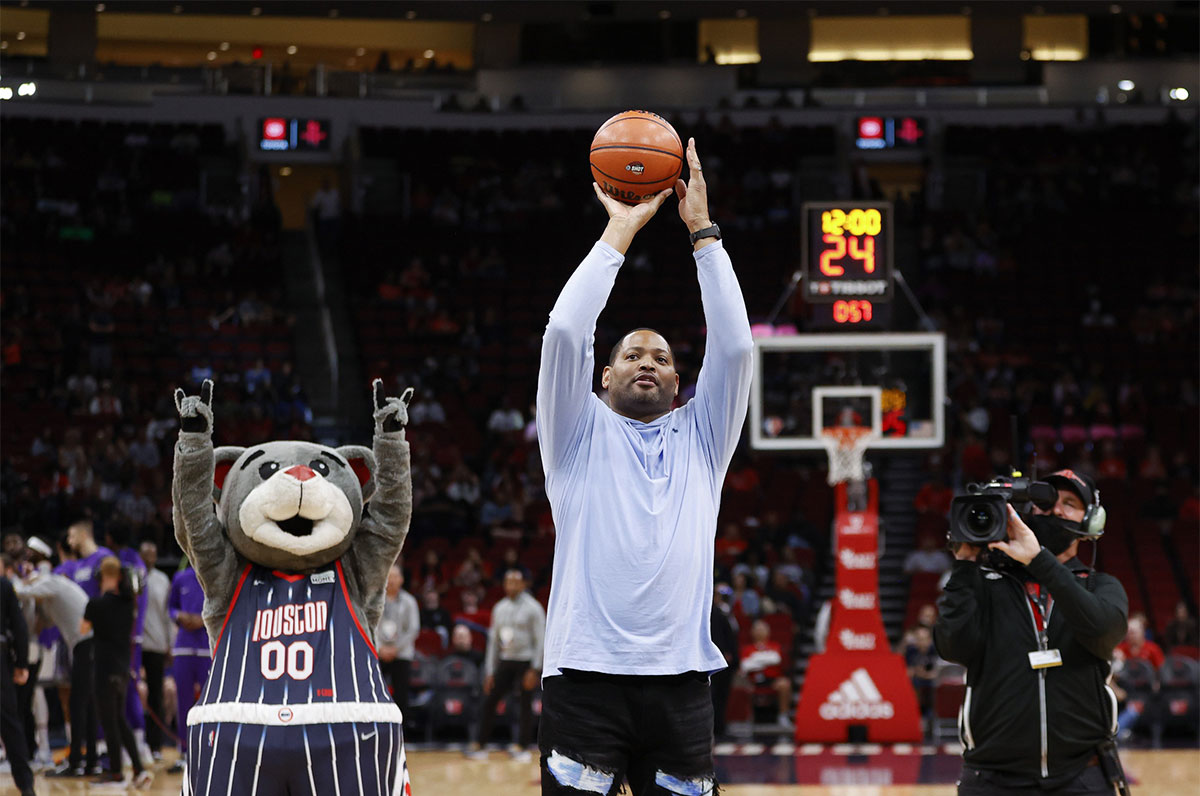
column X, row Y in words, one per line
column 708, row 232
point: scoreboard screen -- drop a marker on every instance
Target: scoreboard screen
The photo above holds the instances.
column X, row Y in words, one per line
column 848, row 258
column 280, row 134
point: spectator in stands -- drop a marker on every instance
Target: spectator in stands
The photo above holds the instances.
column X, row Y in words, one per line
column 156, row 644
column 396, row 634
column 934, row 496
column 462, row 646
column 1181, row 631
column 143, row 451
column 513, row 661
column 1136, row 645
column 922, row 663
column 787, row 596
column 505, row 418
column 730, row 545
column 931, row 557
column 745, row 596
column 105, row 402
column 761, row 661
column 110, row 617
column 476, row 618
column 433, row 615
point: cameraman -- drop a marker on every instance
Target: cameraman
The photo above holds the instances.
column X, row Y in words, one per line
column 1036, row 629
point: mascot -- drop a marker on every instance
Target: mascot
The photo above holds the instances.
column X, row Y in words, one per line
column 293, row 563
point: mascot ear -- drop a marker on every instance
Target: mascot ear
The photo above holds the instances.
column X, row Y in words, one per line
column 223, row 459
column 362, row 462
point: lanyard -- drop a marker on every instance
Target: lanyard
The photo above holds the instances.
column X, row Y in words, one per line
column 1041, row 618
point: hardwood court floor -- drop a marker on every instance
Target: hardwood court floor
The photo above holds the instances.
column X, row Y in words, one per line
column 1173, row 772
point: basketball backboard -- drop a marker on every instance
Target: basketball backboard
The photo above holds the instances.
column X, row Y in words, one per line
column 894, row 383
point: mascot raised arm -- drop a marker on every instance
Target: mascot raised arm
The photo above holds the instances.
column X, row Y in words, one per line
column 292, row 542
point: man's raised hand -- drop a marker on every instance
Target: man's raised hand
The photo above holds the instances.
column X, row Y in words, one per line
column 625, row 220
column 693, row 195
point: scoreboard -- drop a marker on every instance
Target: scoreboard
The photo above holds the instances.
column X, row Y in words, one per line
column 847, row 248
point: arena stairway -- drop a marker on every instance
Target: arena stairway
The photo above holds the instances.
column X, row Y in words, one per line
column 339, row 396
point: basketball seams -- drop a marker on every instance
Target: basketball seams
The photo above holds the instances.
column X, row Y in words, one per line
column 635, row 146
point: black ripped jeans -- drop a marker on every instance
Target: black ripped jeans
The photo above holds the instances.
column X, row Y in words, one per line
column 599, row 730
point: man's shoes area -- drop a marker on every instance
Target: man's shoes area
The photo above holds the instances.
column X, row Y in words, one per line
column 67, row 770
column 176, row 767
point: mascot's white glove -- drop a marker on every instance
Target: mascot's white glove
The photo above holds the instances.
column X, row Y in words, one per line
column 195, row 412
column 391, row 414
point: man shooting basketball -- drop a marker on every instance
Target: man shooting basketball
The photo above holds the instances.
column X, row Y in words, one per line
column 635, row 488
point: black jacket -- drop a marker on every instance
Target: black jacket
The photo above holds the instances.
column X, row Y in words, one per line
column 1043, row 724
column 13, row 631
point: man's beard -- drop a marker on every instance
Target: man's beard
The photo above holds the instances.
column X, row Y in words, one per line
column 635, row 399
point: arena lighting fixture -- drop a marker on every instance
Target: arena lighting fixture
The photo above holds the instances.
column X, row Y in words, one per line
column 256, row 11
column 291, row 50
column 410, row 14
column 1179, row 94
column 429, row 54
column 1125, row 85
column 361, row 51
column 99, row 8
column 6, row 93
column 4, row 44
column 286, row 171
column 26, row 89
column 212, row 56
column 224, row 46
column 21, row 35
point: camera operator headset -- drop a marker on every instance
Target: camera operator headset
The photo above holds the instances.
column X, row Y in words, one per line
column 1036, row 629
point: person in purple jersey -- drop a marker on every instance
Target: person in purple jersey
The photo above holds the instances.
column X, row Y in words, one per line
column 118, row 536
column 84, row 570
column 191, row 657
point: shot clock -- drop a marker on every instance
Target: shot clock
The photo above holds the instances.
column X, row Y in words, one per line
column 848, row 262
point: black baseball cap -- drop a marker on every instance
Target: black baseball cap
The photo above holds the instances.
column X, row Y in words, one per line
column 1079, row 483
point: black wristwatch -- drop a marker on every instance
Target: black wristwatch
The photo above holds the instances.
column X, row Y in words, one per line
column 708, row 232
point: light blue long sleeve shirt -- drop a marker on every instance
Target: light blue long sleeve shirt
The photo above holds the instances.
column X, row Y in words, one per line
column 635, row 504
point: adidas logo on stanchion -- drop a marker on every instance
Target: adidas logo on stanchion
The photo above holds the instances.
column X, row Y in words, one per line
column 856, row 698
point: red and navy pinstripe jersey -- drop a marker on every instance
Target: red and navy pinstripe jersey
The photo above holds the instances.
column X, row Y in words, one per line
column 293, row 640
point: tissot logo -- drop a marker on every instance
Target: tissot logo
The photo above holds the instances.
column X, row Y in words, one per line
column 856, row 641
column 854, row 600
column 856, row 698
column 852, row 560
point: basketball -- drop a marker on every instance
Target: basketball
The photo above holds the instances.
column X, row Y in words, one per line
column 635, row 155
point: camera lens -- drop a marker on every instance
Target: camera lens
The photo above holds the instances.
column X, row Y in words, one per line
column 981, row 518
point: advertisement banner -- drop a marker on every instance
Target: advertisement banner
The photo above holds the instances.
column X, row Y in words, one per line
column 858, row 680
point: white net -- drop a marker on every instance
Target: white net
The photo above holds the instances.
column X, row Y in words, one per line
column 846, row 446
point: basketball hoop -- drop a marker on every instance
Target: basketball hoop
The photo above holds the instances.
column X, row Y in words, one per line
column 846, row 446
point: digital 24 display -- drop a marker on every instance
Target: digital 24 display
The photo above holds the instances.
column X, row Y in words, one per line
column 848, row 256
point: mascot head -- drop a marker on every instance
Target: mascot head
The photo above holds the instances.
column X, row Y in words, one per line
column 292, row 505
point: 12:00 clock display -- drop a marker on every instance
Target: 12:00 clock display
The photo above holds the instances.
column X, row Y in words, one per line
column 848, row 252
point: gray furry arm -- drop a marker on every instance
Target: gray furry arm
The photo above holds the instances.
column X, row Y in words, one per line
column 384, row 526
column 197, row 529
